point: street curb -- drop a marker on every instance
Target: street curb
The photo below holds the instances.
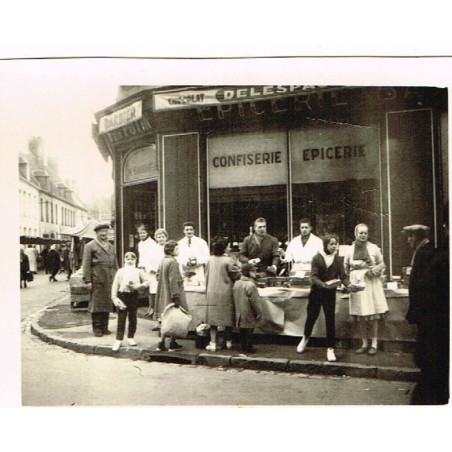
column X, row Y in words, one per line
column 238, row 362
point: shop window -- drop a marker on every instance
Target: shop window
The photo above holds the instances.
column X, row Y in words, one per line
column 336, row 179
column 247, row 180
column 411, row 179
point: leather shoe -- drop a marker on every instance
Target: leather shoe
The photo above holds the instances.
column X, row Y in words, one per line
column 360, row 350
column 372, row 351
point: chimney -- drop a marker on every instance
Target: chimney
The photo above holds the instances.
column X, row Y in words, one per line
column 36, row 149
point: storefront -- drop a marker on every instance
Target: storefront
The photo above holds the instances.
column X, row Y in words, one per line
column 223, row 156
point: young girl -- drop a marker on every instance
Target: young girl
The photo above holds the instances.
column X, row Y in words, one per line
column 326, row 266
column 124, row 294
column 247, row 306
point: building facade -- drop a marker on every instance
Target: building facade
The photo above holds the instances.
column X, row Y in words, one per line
column 222, row 156
column 48, row 206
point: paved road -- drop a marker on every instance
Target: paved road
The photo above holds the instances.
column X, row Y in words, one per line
column 52, row 376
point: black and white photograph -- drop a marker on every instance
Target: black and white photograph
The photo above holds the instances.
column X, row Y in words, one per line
column 217, row 242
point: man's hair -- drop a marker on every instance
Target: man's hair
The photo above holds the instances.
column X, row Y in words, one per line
column 305, row 220
column 189, row 223
column 260, row 220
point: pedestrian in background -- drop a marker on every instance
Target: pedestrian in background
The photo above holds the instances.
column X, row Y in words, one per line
column 32, row 254
column 170, row 289
column 128, row 282
column 99, row 268
column 24, row 268
column 248, row 310
column 221, row 272
column 326, row 266
column 45, row 255
column 54, row 262
column 364, row 265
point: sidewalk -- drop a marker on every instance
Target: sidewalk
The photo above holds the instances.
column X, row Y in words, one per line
column 59, row 325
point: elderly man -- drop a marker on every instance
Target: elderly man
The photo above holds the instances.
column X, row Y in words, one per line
column 303, row 248
column 261, row 248
column 99, row 268
column 193, row 256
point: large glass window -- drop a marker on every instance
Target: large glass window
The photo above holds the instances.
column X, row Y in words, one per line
column 247, row 180
column 336, row 179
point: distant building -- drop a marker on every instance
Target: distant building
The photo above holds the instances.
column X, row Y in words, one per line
column 49, row 207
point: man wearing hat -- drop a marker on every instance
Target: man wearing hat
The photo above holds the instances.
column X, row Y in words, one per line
column 423, row 253
column 99, row 268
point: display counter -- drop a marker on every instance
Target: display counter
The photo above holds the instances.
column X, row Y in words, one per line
column 284, row 313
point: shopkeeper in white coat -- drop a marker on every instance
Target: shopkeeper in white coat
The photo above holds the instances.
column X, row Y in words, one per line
column 303, row 248
column 193, row 256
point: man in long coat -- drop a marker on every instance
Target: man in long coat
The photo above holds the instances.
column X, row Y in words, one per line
column 99, row 268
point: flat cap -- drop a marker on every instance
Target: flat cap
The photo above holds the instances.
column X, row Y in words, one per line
column 416, row 229
column 101, row 226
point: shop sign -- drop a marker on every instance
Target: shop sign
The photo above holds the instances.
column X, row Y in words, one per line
column 334, row 153
column 141, row 165
column 225, row 95
column 247, row 160
column 121, row 117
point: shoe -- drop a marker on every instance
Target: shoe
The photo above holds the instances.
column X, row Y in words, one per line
column 98, row 334
column 302, row 345
column 174, row 347
column 131, row 341
column 372, row 351
column 116, row 346
column 229, row 345
column 50, row 278
column 160, row 347
column 107, row 332
column 330, row 356
column 156, row 328
column 211, row 347
column 360, row 350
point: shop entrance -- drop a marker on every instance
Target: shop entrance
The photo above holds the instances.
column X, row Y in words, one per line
column 140, row 206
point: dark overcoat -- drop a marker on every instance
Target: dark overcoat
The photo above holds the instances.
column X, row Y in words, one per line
column 418, row 287
column 99, row 268
column 266, row 249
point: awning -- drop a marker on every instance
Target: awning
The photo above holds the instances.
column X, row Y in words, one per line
column 25, row 240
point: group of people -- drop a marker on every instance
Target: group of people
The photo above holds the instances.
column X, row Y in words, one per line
column 54, row 262
column 164, row 267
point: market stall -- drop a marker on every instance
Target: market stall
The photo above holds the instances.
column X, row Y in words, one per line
column 284, row 313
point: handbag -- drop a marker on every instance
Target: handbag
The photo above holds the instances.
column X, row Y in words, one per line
column 175, row 321
column 29, row 276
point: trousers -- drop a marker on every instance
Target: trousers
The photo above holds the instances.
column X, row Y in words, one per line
column 131, row 301
column 326, row 299
column 100, row 322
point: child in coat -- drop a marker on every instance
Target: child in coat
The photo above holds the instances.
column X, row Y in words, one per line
column 128, row 281
column 247, row 306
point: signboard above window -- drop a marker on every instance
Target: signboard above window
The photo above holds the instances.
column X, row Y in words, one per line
column 247, row 160
column 334, row 153
column 141, row 165
column 121, row 117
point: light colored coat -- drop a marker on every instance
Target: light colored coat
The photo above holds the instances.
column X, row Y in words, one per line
column 99, row 268
column 220, row 275
column 199, row 249
column 248, row 308
column 301, row 256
